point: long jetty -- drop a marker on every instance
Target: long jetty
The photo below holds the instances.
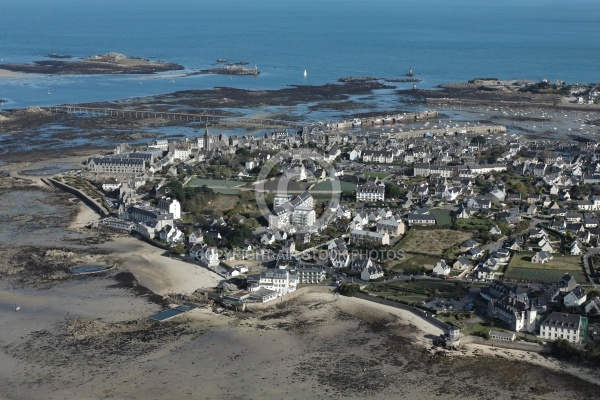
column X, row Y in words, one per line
column 171, row 116
column 386, row 120
column 468, row 130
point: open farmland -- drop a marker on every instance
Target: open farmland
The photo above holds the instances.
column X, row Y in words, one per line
column 521, row 268
column 431, row 241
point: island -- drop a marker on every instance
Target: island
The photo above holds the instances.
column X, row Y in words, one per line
column 110, row 63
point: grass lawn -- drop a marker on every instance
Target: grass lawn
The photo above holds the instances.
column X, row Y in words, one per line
column 378, row 175
column 431, row 241
column 442, row 217
column 403, row 296
column 426, row 289
column 328, row 186
column 227, row 191
column 521, row 268
column 212, row 183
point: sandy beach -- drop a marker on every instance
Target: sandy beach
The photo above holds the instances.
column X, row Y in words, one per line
column 4, row 73
column 315, row 346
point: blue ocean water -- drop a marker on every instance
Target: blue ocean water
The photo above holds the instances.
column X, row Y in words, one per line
column 443, row 40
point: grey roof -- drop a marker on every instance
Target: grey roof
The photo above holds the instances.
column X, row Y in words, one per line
column 562, row 320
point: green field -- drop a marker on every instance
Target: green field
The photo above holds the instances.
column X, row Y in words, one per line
column 327, row 186
column 562, row 263
column 214, row 183
column 426, row 289
column 378, row 175
column 521, row 268
column 442, row 217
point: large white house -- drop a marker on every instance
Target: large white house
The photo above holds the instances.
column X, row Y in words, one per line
column 370, row 192
column 559, row 325
column 338, row 254
column 281, row 281
column 170, row 205
column 421, row 217
column 292, row 212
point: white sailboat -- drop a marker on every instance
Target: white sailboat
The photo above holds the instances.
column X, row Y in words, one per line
column 305, row 73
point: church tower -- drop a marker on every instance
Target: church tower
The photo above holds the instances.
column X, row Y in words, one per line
column 206, row 139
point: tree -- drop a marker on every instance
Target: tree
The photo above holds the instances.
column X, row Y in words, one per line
column 179, row 249
column 348, row 289
column 478, row 139
column 393, row 191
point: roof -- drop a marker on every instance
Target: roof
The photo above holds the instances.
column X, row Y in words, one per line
column 508, row 335
column 562, row 320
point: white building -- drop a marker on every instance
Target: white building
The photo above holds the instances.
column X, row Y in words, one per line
column 170, row 205
column 209, row 255
column 421, row 217
column 541, row 257
column 441, row 269
column 559, row 325
column 110, row 185
column 338, row 254
column 292, row 212
column 575, row 297
column 371, row 272
column 281, row 281
column 370, row 192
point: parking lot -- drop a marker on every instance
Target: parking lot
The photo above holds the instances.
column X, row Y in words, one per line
column 445, row 304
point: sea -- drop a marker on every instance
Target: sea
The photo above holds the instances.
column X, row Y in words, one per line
column 442, row 40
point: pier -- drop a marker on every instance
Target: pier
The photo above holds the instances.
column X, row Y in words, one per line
column 387, row 120
column 171, row 116
column 461, row 130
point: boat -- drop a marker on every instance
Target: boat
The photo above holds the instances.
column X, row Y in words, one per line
column 356, row 122
column 305, row 73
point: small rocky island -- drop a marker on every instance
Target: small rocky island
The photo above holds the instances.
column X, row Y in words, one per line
column 232, row 69
column 110, row 63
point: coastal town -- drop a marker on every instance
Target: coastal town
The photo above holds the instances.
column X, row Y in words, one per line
column 451, row 236
column 491, row 234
